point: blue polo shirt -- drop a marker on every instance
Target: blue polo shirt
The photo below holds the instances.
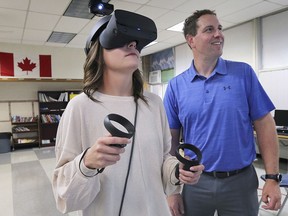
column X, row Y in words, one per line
column 217, row 112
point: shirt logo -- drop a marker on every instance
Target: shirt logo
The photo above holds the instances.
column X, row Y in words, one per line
column 226, row 87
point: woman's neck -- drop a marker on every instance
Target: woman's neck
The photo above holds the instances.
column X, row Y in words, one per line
column 117, row 84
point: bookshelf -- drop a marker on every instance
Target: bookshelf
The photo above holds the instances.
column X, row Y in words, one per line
column 52, row 104
column 25, row 132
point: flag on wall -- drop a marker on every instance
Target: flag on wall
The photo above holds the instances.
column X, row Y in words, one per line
column 14, row 65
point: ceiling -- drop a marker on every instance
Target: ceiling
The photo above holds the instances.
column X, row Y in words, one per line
column 32, row 21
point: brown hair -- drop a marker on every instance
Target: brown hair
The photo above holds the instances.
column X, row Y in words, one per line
column 190, row 24
column 93, row 74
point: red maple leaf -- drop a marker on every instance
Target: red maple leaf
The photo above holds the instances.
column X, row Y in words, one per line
column 25, row 65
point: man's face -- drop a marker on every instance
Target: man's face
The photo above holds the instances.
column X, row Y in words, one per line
column 209, row 40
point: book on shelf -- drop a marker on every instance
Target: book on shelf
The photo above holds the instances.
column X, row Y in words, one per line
column 43, row 97
column 20, row 129
column 22, row 141
column 44, row 109
column 63, row 97
column 50, row 118
column 51, row 99
column 21, row 119
column 45, row 141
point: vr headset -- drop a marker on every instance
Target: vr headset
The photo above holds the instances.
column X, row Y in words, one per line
column 120, row 28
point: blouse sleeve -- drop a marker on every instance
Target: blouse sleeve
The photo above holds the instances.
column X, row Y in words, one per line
column 72, row 190
column 169, row 161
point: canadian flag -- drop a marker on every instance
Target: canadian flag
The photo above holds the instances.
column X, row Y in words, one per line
column 25, row 66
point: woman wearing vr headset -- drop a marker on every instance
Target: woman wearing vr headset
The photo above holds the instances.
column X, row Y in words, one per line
column 92, row 174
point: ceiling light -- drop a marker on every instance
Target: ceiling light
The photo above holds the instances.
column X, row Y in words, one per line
column 79, row 9
column 150, row 44
column 61, row 37
column 100, row 7
column 178, row 27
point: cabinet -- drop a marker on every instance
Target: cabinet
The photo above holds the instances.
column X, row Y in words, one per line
column 25, row 132
column 283, row 146
column 51, row 107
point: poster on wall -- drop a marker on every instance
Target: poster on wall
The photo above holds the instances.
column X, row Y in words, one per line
column 154, row 77
column 167, row 74
column 21, row 66
column 163, row 61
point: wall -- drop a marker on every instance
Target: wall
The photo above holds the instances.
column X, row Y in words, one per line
column 274, row 72
column 67, row 63
column 20, row 97
column 236, row 47
column 183, row 58
column 239, row 48
column 262, row 43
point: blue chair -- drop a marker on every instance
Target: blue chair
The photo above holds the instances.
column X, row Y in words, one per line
column 284, row 184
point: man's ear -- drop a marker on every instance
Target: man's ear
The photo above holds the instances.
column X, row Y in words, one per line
column 190, row 40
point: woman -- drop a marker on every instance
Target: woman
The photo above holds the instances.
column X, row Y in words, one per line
column 101, row 179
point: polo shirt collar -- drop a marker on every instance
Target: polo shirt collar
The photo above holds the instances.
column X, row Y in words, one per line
column 219, row 69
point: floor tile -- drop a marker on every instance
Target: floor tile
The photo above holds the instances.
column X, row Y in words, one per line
column 48, row 165
column 20, row 156
column 6, row 200
column 5, row 158
column 32, row 190
column 44, row 153
column 26, row 183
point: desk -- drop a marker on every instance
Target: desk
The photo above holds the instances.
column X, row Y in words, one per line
column 283, row 146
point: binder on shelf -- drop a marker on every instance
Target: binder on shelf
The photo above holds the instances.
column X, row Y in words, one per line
column 72, row 95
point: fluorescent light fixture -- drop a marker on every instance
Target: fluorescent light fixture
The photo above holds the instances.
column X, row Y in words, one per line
column 61, row 37
column 150, row 44
column 79, row 9
column 178, row 27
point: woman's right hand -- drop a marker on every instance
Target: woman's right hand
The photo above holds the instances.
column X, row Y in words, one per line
column 176, row 205
column 102, row 154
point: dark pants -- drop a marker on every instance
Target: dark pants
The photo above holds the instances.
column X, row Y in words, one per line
column 232, row 196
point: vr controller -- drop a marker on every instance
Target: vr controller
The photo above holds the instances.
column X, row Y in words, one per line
column 189, row 163
column 114, row 131
column 120, row 28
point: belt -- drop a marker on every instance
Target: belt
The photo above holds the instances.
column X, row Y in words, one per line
column 223, row 174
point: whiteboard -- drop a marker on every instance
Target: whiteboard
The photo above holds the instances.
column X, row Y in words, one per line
column 183, row 58
column 275, row 84
column 239, row 44
column 275, row 40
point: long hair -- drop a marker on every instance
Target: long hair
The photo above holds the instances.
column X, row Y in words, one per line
column 93, row 74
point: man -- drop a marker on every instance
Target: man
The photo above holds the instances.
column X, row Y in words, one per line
column 218, row 103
